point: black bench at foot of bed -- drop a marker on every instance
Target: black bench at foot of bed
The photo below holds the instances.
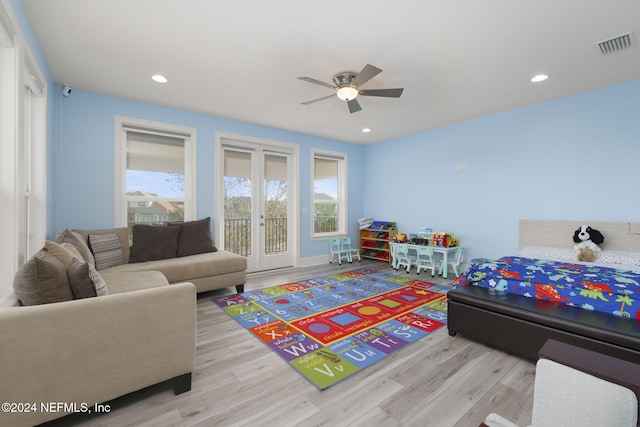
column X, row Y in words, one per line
column 522, row 325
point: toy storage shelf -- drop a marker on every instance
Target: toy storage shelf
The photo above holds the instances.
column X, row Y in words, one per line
column 374, row 241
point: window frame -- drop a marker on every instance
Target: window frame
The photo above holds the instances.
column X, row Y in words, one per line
column 124, row 124
column 24, row 98
column 342, row 159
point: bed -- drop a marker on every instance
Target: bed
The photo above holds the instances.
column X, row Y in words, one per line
column 519, row 301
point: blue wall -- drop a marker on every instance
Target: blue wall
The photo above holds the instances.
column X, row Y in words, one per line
column 85, row 170
column 574, row 158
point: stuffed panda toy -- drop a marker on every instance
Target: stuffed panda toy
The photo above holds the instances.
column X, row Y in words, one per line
column 586, row 241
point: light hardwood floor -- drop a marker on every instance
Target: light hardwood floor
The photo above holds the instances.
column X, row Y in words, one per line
column 439, row 381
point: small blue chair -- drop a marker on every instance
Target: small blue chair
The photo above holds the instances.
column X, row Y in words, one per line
column 346, row 247
column 336, row 249
column 403, row 258
column 455, row 261
column 425, row 259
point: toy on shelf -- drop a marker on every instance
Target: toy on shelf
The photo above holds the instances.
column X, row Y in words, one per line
column 444, row 239
column 424, row 235
column 382, row 225
column 400, row 238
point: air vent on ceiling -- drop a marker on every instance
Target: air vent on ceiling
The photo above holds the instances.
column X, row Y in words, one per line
column 617, row 44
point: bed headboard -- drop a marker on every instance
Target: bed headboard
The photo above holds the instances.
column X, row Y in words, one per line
column 618, row 236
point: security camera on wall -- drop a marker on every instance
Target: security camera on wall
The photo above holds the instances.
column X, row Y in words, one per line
column 66, row 90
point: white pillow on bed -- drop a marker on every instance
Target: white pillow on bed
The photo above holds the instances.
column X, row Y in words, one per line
column 615, row 259
column 619, row 257
column 546, row 252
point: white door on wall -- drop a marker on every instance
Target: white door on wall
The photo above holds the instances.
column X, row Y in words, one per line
column 257, row 200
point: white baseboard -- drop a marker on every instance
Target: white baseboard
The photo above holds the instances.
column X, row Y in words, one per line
column 314, row 260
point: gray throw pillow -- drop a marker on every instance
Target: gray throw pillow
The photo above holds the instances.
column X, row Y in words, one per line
column 195, row 237
column 42, row 280
column 81, row 284
column 153, row 242
column 106, row 249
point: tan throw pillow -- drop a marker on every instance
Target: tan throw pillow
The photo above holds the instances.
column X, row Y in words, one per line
column 68, row 236
column 195, row 237
column 106, row 250
column 42, row 280
column 64, row 252
column 153, row 242
column 81, row 284
column 72, row 249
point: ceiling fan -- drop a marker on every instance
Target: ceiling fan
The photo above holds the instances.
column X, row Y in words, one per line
column 347, row 87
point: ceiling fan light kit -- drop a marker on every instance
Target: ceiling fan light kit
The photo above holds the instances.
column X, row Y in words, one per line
column 347, row 93
column 347, row 87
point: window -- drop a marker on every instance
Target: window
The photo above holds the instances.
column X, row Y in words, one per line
column 329, row 193
column 31, row 158
column 156, row 172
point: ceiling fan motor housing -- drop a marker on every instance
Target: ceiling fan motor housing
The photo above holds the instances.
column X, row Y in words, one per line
column 344, row 79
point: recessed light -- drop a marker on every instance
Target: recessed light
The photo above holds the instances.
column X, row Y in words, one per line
column 159, row 78
column 539, row 78
column 366, row 130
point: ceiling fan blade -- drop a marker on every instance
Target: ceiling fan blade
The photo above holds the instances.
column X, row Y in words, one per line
column 354, row 106
column 318, row 99
column 367, row 73
column 318, row 82
column 390, row 93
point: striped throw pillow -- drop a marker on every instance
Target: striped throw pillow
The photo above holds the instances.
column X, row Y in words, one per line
column 106, row 250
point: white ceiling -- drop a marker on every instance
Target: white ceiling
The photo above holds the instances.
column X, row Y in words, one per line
column 240, row 59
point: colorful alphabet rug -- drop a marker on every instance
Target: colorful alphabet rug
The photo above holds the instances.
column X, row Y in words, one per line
column 329, row 328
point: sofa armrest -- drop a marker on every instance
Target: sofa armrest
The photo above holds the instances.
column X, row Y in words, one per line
column 96, row 349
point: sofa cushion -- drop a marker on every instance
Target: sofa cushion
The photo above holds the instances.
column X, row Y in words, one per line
column 106, row 250
column 153, row 242
column 121, row 232
column 195, row 237
column 184, row 269
column 41, row 280
column 78, row 242
column 127, row 281
column 64, row 252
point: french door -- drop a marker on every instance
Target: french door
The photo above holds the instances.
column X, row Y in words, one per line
column 257, row 200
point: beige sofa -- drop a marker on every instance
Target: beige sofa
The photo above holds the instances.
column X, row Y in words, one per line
column 74, row 354
column 208, row 271
column 88, row 351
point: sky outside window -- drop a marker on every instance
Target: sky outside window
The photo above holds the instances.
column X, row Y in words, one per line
column 162, row 184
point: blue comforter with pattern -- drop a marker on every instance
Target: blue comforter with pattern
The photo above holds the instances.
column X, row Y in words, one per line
column 604, row 289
